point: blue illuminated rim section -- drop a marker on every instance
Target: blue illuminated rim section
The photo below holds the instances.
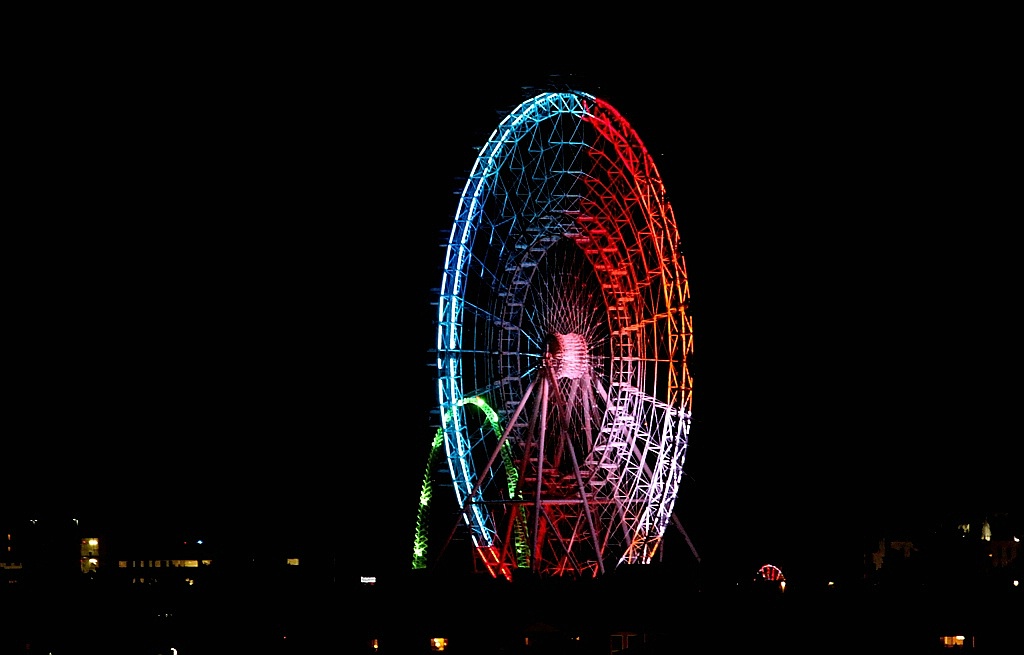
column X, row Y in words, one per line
column 458, row 256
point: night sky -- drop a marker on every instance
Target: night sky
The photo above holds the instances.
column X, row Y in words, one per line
column 224, row 268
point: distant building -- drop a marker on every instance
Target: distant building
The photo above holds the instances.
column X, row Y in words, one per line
column 981, row 553
column 61, row 550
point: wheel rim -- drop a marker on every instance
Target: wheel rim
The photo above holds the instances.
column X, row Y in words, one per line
column 563, row 310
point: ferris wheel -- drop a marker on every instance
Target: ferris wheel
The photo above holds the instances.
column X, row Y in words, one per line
column 563, row 340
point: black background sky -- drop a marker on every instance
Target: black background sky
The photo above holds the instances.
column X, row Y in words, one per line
column 221, row 264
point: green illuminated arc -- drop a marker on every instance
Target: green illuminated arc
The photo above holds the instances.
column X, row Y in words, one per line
column 419, row 553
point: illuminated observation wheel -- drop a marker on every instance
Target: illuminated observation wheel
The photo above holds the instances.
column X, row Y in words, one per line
column 563, row 338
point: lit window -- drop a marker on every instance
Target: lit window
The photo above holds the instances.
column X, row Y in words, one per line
column 953, row 641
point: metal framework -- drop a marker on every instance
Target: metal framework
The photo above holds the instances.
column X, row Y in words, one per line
column 563, row 306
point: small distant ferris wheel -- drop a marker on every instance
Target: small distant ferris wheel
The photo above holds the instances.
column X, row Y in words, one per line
column 563, row 342
column 770, row 575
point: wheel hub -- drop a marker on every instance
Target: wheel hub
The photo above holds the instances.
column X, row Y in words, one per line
column 566, row 354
